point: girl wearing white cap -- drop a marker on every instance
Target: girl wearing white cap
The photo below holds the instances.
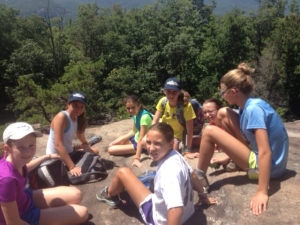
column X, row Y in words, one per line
column 21, row 206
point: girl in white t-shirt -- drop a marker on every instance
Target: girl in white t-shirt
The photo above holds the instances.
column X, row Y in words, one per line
column 172, row 200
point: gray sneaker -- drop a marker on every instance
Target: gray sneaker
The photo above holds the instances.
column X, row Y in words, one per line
column 102, row 196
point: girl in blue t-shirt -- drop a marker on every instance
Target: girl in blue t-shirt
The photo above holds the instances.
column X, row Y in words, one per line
column 132, row 142
column 261, row 129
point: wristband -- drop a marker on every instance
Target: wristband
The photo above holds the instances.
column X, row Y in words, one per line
column 72, row 167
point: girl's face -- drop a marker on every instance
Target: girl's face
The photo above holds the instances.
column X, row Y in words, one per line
column 76, row 108
column 22, row 150
column 227, row 94
column 210, row 111
column 186, row 98
column 172, row 95
column 132, row 108
column 157, row 146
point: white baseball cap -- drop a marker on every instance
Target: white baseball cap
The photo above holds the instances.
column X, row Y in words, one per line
column 18, row 130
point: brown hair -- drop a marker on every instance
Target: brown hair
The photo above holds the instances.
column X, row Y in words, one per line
column 1, row 149
column 132, row 98
column 165, row 129
column 218, row 103
column 239, row 78
column 81, row 122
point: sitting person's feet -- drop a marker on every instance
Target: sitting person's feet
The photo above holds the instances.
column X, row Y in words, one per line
column 189, row 154
column 94, row 140
column 103, row 196
column 226, row 162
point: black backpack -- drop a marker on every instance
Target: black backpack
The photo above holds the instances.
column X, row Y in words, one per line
column 53, row 172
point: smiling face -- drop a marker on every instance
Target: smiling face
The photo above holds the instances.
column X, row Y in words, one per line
column 210, row 111
column 157, row 146
column 132, row 108
column 76, row 108
column 20, row 152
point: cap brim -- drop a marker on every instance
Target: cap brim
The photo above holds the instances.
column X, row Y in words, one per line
column 23, row 134
column 172, row 88
column 77, row 99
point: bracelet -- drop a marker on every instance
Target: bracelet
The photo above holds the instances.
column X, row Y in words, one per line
column 49, row 156
column 136, row 157
column 72, row 167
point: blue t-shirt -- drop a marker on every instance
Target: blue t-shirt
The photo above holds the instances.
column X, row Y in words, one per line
column 258, row 114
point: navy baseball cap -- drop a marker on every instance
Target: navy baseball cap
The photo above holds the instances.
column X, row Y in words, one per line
column 172, row 83
column 77, row 96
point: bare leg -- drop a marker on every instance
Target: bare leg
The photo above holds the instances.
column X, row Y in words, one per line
column 59, row 205
column 229, row 120
column 121, row 149
column 235, row 149
column 126, row 179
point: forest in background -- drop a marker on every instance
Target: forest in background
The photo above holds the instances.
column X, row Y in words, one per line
column 109, row 53
column 28, row 7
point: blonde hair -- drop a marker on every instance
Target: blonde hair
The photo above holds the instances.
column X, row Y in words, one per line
column 239, row 78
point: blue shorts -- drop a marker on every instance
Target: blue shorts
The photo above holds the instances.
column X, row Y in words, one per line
column 134, row 144
column 32, row 215
column 146, row 210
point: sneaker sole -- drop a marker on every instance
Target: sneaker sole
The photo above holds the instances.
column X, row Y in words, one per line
column 107, row 201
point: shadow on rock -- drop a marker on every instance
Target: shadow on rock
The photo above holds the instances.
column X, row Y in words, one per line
column 129, row 208
column 275, row 183
column 198, row 217
column 243, row 180
column 89, row 222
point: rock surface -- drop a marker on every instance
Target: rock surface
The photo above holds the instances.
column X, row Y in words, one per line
column 232, row 190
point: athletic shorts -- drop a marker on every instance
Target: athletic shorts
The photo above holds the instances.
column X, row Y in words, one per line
column 252, row 160
column 146, row 210
column 134, row 144
column 32, row 215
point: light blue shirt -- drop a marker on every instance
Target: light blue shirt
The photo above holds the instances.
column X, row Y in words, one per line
column 258, row 114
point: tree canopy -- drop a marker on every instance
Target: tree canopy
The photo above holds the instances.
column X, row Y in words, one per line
column 109, row 53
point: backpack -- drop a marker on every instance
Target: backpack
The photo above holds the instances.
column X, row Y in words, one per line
column 50, row 173
column 139, row 116
column 92, row 167
column 198, row 122
column 53, row 172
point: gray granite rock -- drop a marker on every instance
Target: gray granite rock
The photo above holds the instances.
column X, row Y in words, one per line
column 232, row 190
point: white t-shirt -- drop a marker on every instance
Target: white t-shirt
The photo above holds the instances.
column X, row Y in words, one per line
column 172, row 188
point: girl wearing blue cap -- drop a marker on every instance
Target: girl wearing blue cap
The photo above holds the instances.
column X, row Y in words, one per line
column 167, row 109
column 64, row 126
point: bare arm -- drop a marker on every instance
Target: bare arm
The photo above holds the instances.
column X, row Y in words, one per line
column 11, row 213
column 174, row 216
column 190, row 131
column 156, row 117
column 259, row 202
column 37, row 161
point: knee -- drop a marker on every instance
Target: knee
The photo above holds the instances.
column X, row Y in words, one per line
column 209, row 132
column 76, row 193
column 222, row 113
column 123, row 171
column 83, row 213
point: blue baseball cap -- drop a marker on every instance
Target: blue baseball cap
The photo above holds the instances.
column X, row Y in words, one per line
column 77, row 96
column 172, row 83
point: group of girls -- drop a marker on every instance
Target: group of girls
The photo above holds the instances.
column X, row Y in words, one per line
column 253, row 138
